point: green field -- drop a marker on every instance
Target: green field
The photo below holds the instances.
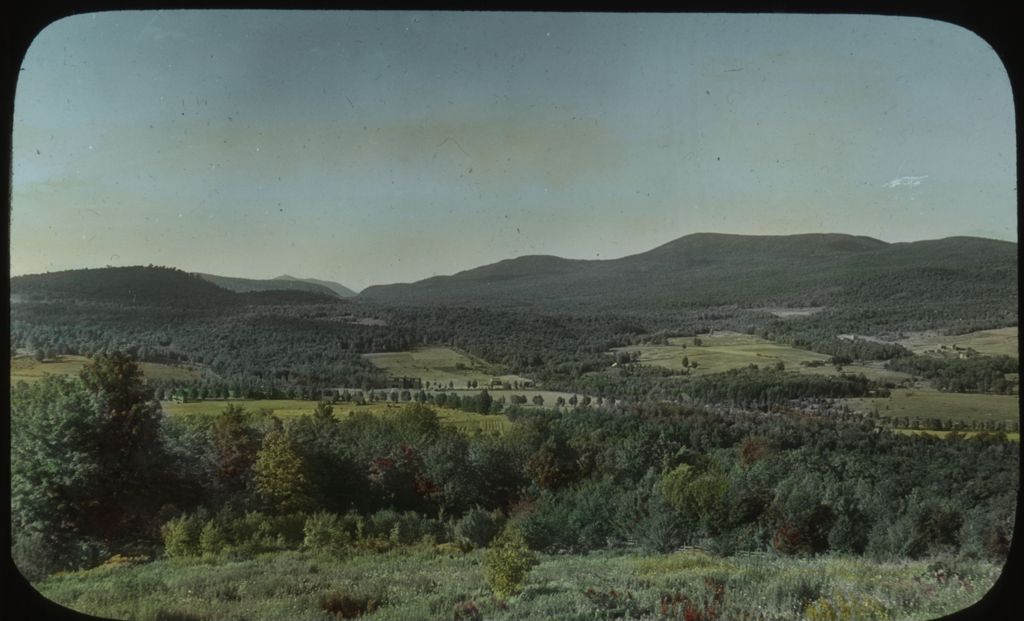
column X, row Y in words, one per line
column 28, row 369
column 428, row 582
column 438, row 365
column 930, row 403
column 998, row 342
column 466, row 422
column 874, row 370
column 721, row 352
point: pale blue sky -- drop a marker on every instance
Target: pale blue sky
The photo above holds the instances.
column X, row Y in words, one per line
column 371, row 148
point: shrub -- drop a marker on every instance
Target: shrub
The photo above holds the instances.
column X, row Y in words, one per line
column 467, row 611
column 350, row 606
column 212, row 539
column 181, row 536
column 35, row 556
column 477, row 527
column 507, row 563
column 403, row 528
column 324, row 532
column 842, row 607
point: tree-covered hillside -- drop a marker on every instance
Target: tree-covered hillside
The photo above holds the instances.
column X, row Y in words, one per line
column 948, row 278
column 137, row 285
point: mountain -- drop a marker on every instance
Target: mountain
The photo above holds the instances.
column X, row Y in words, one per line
column 710, row 269
column 145, row 286
column 159, row 286
column 245, row 285
column 339, row 289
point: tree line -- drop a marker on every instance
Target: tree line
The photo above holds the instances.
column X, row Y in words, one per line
column 97, row 468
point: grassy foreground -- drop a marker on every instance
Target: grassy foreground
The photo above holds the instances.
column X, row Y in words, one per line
column 433, row 583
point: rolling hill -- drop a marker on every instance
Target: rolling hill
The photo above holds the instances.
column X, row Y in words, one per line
column 246, row 285
column 159, row 286
column 709, row 269
column 137, row 285
column 339, row 289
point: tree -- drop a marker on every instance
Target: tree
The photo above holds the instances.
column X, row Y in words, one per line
column 279, row 476
column 235, row 445
column 55, row 427
column 507, row 563
column 84, row 454
column 128, row 450
column 484, row 402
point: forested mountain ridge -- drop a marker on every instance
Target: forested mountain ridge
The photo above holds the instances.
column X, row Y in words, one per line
column 338, row 288
column 281, row 283
column 160, row 286
column 136, row 285
column 708, row 269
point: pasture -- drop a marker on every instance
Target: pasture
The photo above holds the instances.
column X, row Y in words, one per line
column 873, row 370
column 721, row 352
column 439, row 366
column 429, row 582
column 465, row 422
column 998, row 342
column 927, row 403
column 28, row 369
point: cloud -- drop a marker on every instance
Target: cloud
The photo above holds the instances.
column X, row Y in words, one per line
column 911, row 181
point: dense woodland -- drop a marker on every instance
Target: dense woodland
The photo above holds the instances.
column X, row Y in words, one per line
column 649, row 476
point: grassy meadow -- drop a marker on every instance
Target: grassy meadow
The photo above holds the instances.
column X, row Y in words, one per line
column 930, row 403
column 998, row 342
column 721, row 352
column 426, row 582
column 729, row 350
column 28, row 369
column 438, row 365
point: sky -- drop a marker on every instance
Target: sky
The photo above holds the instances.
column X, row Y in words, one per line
column 379, row 147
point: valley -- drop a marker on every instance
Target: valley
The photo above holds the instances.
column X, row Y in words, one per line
column 642, row 444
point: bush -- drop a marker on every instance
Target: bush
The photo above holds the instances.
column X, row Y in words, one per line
column 181, row 536
column 212, row 539
column 403, row 528
column 350, row 606
column 324, row 532
column 477, row 528
column 507, row 563
column 35, row 556
column 841, row 607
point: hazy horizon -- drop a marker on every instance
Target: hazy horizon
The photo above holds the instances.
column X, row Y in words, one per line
column 381, row 147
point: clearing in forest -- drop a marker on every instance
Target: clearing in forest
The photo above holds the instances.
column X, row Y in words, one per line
column 731, row 350
column 28, row 369
column 439, row 365
column 722, row 351
column 928, row 403
column 997, row 342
